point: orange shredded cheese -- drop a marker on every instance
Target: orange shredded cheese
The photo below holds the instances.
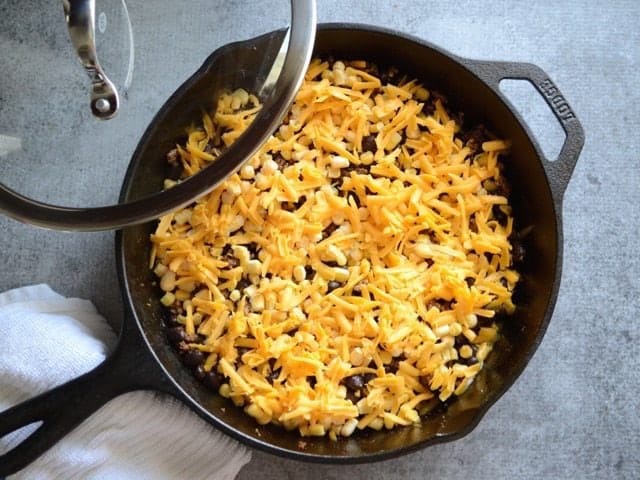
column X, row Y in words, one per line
column 348, row 275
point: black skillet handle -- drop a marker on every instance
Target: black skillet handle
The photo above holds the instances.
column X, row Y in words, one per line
column 559, row 170
column 130, row 367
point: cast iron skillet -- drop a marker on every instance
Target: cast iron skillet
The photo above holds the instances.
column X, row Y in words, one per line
column 143, row 358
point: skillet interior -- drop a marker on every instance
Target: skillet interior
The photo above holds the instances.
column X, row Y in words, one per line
column 533, row 206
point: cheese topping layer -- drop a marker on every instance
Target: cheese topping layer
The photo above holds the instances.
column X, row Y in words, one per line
column 348, row 275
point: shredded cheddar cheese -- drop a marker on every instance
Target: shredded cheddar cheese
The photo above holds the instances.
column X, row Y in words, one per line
column 348, row 275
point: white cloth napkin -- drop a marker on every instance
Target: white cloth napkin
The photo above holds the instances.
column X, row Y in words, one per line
column 48, row 339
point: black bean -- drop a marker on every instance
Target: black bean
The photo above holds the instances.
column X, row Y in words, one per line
column 354, row 396
column 242, row 351
column 354, row 382
column 470, row 281
column 243, row 283
column 193, row 358
column 329, row 229
column 425, row 380
column 460, row 341
column 310, row 272
column 395, row 364
column 232, row 262
column 213, row 380
column 389, row 76
column 430, row 105
column 517, row 251
column 502, row 186
column 499, row 215
column 280, row 160
column 288, row 206
column 472, row 360
column 253, row 248
column 332, row 285
column 170, row 317
column 483, row 322
column 301, row 201
column 440, row 304
column 273, row 372
column 312, row 380
column 273, row 376
column 175, row 335
column 475, row 137
column 369, row 144
column 473, row 226
column 357, row 290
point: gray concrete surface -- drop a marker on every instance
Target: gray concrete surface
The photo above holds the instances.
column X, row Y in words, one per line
column 574, row 411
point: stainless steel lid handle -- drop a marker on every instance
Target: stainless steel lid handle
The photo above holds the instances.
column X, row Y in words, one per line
column 80, row 18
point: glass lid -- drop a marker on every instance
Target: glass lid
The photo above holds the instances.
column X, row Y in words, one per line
column 88, row 86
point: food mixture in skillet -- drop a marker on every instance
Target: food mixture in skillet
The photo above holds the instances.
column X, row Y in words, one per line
column 349, row 275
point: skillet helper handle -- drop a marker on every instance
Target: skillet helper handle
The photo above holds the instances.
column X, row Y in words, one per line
column 559, row 170
column 63, row 408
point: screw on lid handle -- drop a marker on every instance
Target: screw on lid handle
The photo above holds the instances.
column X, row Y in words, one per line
column 80, row 18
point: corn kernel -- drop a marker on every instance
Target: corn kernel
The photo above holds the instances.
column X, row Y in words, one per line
column 357, row 357
column 299, row 273
column 168, row 299
column 269, row 167
column 241, row 253
column 339, row 162
column 316, row 430
column 333, row 173
column 225, row 390
column 160, row 269
column 421, row 94
column 466, row 351
column 377, row 424
column 254, row 267
column 168, row 281
column 337, row 255
column 341, row 274
column 257, row 303
column 349, row 427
